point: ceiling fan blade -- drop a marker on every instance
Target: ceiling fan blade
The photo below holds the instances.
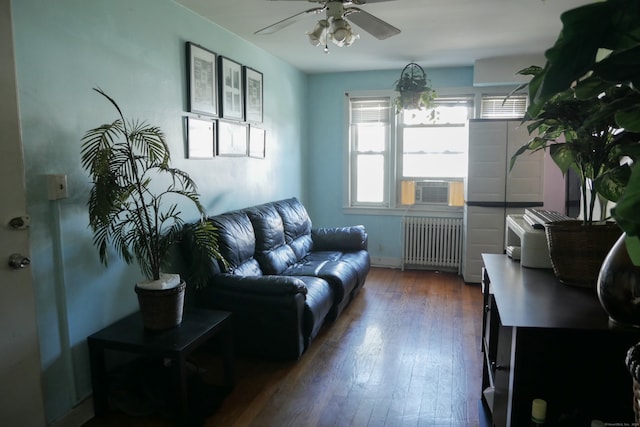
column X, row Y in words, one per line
column 346, row 2
column 360, row 2
column 371, row 24
column 288, row 21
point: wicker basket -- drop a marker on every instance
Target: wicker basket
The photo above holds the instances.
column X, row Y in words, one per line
column 577, row 251
column 633, row 364
column 161, row 309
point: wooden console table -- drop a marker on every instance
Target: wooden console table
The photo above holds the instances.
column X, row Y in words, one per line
column 129, row 335
column 543, row 339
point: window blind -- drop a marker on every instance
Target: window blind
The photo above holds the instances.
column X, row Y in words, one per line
column 370, row 110
column 495, row 106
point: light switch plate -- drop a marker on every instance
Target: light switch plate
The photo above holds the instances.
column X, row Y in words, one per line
column 57, row 186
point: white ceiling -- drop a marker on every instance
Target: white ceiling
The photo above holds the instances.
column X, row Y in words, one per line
column 435, row 33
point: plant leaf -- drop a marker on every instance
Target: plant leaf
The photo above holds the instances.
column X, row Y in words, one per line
column 626, row 210
column 126, row 210
column 629, row 119
column 633, row 249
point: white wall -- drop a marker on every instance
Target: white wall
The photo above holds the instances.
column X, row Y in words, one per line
column 502, row 71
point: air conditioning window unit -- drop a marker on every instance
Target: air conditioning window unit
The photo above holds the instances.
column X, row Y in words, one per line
column 432, row 192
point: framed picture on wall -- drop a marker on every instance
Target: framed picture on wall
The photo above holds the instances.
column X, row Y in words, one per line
column 231, row 89
column 253, row 95
column 201, row 138
column 232, row 138
column 257, row 142
column 203, row 83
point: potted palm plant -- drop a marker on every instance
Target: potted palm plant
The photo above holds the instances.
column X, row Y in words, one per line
column 133, row 206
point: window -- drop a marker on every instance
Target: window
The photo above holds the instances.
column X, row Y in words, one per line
column 415, row 157
column 501, row 107
column 433, row 148
column 369, row 151
column 434, row 141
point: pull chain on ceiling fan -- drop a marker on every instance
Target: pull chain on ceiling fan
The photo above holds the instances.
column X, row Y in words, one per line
column 335, row 27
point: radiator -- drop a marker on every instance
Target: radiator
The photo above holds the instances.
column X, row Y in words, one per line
column 434, row 243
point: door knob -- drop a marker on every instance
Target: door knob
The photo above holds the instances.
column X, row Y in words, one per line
column 19, row 222
column 18, row 261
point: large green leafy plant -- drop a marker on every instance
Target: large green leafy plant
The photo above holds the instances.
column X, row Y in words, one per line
column 133, row 200
column 599, row 49
column 582, row 135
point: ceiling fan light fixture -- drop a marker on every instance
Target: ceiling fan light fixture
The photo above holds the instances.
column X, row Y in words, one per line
column 334, row 27
column 340, row 30
column 352, row 37
column 318, row 35
column 341, row 33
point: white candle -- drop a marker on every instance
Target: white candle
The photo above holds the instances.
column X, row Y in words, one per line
column 538, row 410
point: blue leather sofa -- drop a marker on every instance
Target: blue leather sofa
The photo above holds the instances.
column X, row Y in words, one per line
column 284, row 280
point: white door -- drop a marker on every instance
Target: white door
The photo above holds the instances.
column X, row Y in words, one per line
column 21, row 402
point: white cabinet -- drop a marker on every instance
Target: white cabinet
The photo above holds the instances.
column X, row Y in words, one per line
column 492, row 191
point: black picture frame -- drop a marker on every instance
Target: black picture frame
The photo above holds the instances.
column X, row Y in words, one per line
column 231, row 89
column 253, row 95
column 232, row 139
column 202, row 80
column 201, row 138
column 257, row 142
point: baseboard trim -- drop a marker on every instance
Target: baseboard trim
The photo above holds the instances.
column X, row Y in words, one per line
column 78, row 416
column 386, row 262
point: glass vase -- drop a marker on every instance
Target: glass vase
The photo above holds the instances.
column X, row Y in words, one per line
column 619, row 286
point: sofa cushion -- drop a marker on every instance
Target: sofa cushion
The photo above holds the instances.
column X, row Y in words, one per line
column 248, row 268
column 305, row 268
column 318, row 302
column 323, row 256
column 297, row 226
column 360, row 261
column 352, row 238
column 342, row 278
column 236, row 239
column 271, row 250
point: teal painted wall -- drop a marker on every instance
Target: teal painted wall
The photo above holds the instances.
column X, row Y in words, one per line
column 135, row 51
column 327, row 137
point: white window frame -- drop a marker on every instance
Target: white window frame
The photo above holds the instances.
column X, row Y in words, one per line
column 351, row 154
column 354, row 154
column 392, row 186
column 400, row 127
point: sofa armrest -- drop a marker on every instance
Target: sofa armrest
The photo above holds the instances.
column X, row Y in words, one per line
column 352, row 238
column 259, row 285
column 268, row 313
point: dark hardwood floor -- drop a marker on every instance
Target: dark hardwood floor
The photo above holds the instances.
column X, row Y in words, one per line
column 405, row 352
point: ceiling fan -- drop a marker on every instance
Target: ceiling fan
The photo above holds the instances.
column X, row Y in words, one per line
column 335, row 27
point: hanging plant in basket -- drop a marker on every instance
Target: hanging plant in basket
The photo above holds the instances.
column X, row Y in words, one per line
column 414, row 88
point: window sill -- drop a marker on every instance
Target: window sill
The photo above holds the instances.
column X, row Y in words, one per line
column 414, row 210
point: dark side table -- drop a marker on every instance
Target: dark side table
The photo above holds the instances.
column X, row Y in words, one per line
column 176, row 344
